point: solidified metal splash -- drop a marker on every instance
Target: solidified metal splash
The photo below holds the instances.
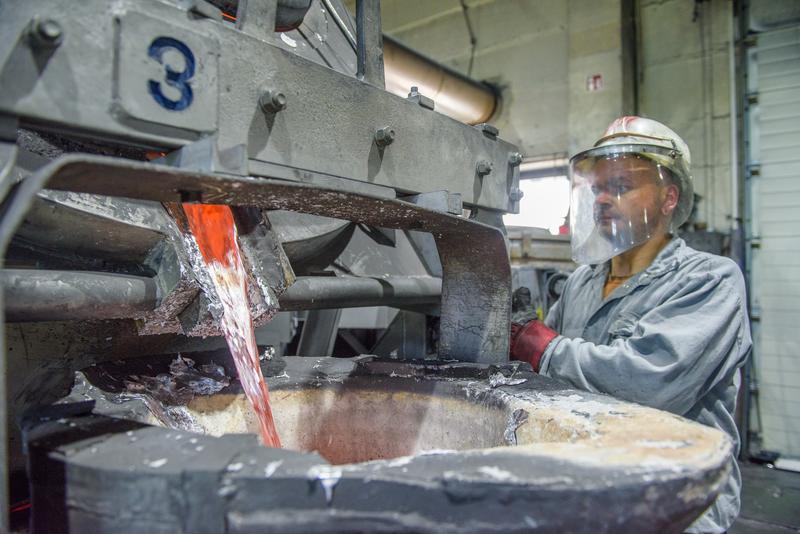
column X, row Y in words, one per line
column 515, row 420
column 182, row 383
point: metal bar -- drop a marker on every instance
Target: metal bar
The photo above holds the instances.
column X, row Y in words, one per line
column 315, row 292
column 369, row 42
column 319, row 333
column 476, row 285
column 341, row 23
column 43, row 295
column 39, row 295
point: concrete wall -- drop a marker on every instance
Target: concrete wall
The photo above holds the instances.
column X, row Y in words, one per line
column 541, row 52
column 684, row 81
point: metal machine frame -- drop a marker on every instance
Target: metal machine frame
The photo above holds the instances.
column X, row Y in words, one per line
column 273, row 130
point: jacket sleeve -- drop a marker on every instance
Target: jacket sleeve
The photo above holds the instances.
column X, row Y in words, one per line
column 553, row 319
column 675, row 354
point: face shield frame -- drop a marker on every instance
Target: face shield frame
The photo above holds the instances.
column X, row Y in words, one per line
column 595, row 239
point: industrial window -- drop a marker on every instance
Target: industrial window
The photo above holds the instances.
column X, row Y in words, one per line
column 544, row 205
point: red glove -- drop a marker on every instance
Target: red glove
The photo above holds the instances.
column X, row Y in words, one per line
column 529, row 341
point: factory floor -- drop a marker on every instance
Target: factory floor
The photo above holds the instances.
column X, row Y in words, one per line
column 770, row 501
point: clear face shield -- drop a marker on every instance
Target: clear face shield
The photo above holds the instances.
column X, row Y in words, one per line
column 621, row 196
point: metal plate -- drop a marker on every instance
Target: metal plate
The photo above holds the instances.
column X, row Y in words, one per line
column 164, row 74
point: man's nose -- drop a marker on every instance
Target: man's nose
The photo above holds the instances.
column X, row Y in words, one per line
column 603, row 198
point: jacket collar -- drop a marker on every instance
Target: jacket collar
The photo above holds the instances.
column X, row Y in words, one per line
column 667, row 260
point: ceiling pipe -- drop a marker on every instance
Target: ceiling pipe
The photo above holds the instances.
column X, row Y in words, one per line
column 455, row 95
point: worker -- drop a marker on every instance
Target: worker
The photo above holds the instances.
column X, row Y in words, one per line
column 645, row 318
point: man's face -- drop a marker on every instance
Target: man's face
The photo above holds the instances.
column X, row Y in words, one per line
column 631, row 197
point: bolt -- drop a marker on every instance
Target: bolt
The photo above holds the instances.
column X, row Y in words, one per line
column 422, row 100
column 488, row 130
column 516, row 194
column 46, row 33
column 272, row 101
column 515, row 158
column 384, row 136
column 484, row 167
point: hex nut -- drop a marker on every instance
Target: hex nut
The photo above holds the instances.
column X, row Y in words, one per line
column 484, row 167
column 515, row 158
column 516, row 194
column 384, row 136
column 272, row 101
column 45, row 33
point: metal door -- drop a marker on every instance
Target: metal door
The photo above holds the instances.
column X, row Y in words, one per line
column 773, row 120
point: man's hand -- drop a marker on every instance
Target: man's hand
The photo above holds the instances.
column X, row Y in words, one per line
column 529, row 341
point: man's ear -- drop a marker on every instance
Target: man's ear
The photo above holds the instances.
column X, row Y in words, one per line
column 671, row 196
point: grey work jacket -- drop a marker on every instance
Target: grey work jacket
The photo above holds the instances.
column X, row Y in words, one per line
column 672, row 337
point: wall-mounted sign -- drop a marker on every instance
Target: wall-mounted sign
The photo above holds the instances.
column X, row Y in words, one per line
column 594, row 82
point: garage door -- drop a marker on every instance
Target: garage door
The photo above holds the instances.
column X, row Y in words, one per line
column 774, row 202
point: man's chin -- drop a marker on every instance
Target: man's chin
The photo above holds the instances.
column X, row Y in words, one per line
column 606, row 227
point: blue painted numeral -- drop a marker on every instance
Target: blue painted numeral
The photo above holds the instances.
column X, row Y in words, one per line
column 178, row 80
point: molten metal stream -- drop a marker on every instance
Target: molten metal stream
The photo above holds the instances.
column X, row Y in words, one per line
column 215, row 233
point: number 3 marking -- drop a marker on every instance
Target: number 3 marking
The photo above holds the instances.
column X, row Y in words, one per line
column 178, row 80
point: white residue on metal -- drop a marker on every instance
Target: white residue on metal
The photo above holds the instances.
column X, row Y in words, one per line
column 272, row 467
column 399, row 462
column 651, row 462
column 288, row 40
column 579, row 405
column 497, row 473
column 226, row 490
column 283, row 374
column 328, row 477
column 155, row 464
column 268, row 353
column 499, row 379
column 234, row 467
column 663, row 444
column 395, row 374
column 434, row 452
